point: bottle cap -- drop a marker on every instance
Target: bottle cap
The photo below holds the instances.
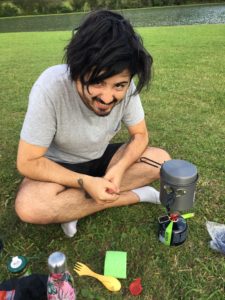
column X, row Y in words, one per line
column 17, row 264
column 57, row 262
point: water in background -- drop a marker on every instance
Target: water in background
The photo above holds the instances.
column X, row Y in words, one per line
column 175, row 15
column 160, row 16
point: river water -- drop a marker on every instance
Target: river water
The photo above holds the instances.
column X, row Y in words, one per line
column 160, row 16
column 178, row 15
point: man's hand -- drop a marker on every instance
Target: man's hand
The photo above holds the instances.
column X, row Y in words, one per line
column 115, row 175
column 101, row 189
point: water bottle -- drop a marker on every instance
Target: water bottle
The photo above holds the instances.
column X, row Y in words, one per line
column 60, row 281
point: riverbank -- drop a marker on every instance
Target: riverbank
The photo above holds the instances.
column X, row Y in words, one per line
column 153, row 16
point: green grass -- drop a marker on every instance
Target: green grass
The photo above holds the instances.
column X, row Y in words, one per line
column 185, row 115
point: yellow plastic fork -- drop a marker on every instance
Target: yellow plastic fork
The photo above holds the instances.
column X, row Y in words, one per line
column 111, row 283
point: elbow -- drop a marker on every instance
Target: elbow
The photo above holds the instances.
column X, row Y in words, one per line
column 21, row 167
column 146, row 140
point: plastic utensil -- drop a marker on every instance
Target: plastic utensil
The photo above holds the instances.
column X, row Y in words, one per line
column 111, row 283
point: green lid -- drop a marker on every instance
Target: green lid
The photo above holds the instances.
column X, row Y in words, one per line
column 17, row 264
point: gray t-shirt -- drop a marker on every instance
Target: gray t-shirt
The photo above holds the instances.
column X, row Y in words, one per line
column 58, row 119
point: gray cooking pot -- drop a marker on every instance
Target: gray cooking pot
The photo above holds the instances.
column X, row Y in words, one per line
column 177, row 184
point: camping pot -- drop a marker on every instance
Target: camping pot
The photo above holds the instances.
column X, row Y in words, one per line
column 177, row 184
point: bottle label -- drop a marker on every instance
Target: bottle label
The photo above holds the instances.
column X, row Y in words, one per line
column 59, row 286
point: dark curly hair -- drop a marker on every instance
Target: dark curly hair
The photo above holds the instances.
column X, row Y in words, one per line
column 104, row 45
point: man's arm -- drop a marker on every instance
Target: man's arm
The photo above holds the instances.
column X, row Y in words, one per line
column 137, row 145
column 133, row 151
column 32, row 164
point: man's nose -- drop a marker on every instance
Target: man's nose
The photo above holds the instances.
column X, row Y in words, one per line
column 107, row 95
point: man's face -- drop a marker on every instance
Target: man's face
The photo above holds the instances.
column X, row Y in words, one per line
column 101, row 97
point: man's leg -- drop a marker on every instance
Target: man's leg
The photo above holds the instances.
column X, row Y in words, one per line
column 43, row 202
column 140, row 173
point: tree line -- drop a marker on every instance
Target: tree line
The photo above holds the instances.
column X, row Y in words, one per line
column 29, row 7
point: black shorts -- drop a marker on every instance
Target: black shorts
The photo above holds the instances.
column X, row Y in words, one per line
column 96, row 167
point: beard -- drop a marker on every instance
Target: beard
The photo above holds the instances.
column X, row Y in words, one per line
column 104, row 109
column 98, row 106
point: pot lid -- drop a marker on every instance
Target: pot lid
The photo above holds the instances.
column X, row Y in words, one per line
column 178, row 172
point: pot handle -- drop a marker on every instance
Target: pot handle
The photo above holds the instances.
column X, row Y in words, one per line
column 150, row 162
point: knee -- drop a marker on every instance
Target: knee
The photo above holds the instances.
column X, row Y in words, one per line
column 35, row 202
column 22, row 210
column 157, row 155
column 162, row 155
column 29, row 211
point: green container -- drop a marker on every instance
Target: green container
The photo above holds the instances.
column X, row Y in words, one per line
column 18, row 266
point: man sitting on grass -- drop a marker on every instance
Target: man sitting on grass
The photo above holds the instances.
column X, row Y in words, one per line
column 74, row 111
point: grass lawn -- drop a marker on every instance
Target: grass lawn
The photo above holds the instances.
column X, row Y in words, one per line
column 185, row 115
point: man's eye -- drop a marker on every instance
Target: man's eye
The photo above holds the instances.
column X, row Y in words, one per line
column 97, row 83
column 120, row 86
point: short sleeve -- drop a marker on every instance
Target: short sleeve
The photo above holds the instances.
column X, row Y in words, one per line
column 39, row 125
column 134, row 112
